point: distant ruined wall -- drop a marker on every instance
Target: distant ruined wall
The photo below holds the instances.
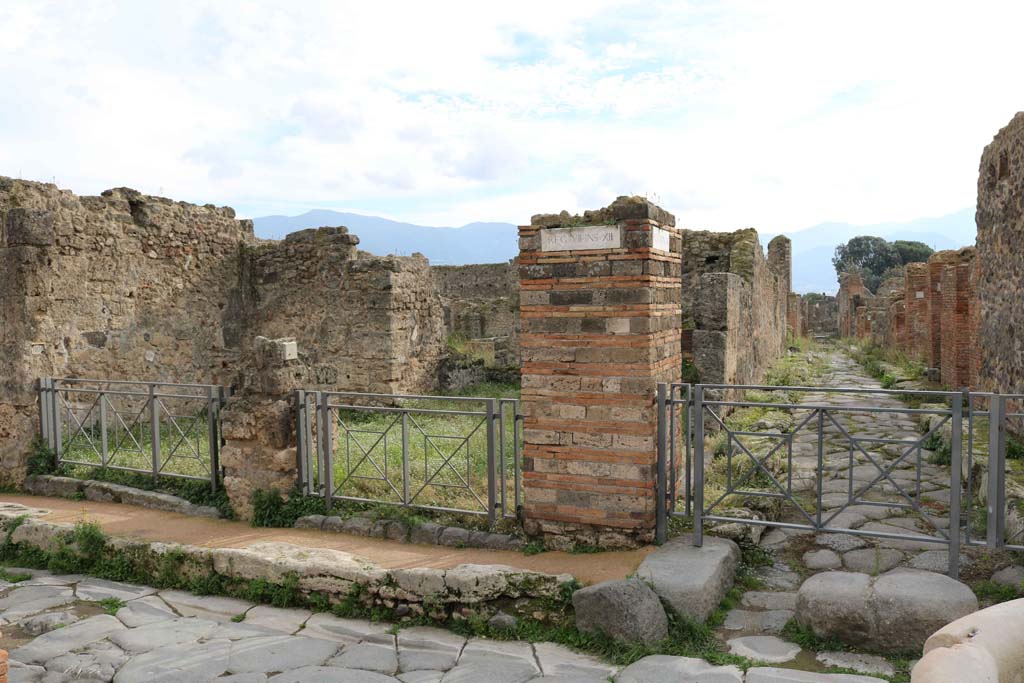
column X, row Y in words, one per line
column 734, row 303
column 819, row 316
column 481, row 301
column 1000, row 258
column 122, row 285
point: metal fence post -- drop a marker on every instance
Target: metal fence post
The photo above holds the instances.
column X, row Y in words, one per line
column 996, row 507
column 502, row 467
column 491, row 483
column 956, row 473
column 687, row 430
column 325, row 441
column 45, row 411
column 660, row 483
column 819, row 473
column 104, row 451
column 517, row 422
column 154, row 430
column 405, row 458
column 212, row 433
column 301, row 445
column 58, row 438
column 698, row 470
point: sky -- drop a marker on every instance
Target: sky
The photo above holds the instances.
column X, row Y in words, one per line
column 777, row 115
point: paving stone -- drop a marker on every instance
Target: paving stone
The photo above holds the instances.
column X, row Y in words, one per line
column 369, row 656
column 421, row 677
column 774, row 675
column 67, row 639
column 97, row 589
column 821, row 559
column 558, row 660
column 340, row 630
column 666, row 669
column 872, row 561
column 99, row 662
column 164, row 634
column 205, row 606
column 201, row 661
column 764, row 649
column 243, row 678
column 277, row 619
column 25, row 601
column 278, row 653
column 625, row 610
column 778, row 576
column 840, row 543
column 865, row 664
column 330, row 674
column 230, row 631
column 692, row 580
column 425, row 647
column 44, row 623
column 781, row 600
column 24, row 673
column 495, row 662
column 144, row 611
column 1010, row 576
column 935, row 561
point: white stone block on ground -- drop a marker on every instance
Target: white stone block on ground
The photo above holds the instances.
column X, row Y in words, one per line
column 668, row 669
column 692, row 580
column 764, row 649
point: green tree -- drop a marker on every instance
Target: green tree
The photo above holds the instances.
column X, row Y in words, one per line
column 870, row 256
column 912, row 252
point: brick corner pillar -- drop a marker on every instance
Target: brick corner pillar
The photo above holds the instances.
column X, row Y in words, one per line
column 600, row 307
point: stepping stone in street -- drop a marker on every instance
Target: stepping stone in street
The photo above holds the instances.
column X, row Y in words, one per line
column 764, row 649
column 692, row 580
column 865, row 664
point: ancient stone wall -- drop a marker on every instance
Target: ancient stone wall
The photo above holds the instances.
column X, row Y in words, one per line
column 852, row 295
column 1000, row 257
column 600, row 309
column 117, row 286
column 481, row 301
column 820, row 315
column 794, row 315
column 960, row 356
column 734, row 302
column 363, row 322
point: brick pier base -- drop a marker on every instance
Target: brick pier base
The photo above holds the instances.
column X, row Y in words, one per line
column 600, row 302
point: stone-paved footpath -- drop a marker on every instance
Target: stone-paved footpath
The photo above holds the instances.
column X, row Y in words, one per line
column 753, row 627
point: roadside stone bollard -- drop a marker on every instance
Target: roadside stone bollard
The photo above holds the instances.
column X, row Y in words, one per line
column 259, row 424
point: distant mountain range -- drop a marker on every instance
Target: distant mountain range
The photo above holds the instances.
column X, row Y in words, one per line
column 472, row 243
column 497, row 242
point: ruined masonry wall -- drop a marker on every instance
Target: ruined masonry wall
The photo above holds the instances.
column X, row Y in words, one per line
column 735, row 304
column 121, row 285
column 362, row 322
column 1000, row 278
column 481, row 301
column 820, row 315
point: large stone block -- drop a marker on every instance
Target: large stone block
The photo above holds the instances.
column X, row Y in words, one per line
column 692, row 580
column 626, row 610
column 895, row 612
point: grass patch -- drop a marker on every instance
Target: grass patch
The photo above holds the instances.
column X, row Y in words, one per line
column 111, row 605
column 13, row 577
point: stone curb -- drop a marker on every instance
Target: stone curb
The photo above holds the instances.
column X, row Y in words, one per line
column 106, row 492
column 427, row 533
column 438, row 593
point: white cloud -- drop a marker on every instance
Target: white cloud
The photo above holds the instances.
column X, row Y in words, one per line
column 777, row 115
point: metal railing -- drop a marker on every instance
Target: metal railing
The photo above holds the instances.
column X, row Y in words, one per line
column 771, row 470
column 158, row 428
column 447, row 453
column 988, row 509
